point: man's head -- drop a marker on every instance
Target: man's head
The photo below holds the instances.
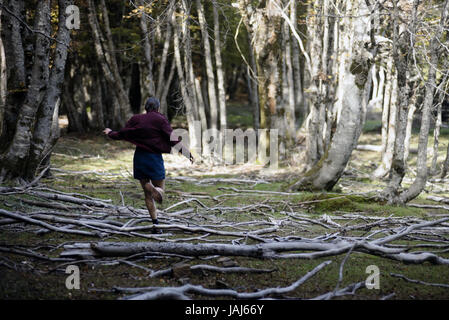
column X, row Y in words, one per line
column 151, row 104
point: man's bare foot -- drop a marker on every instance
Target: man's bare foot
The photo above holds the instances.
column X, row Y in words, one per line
column 156, row 192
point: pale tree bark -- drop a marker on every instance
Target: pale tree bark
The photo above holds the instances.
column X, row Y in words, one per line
column 187, row 95
column 162, row 83
column 356, row 84
column 263, row 22
column 438, row 122
column 386, row 103
column 220, row 70
column 445, row 166
column 389, row 114
column 201, row 109
column 374, row 96
column 436, row 140
column 149, row 86
column 402, row 49
column 253, row 86
column 296, row 65
column 422, row 171
column 408, row 132
column 314, row 144
column 289, row 103
column 324, row 74
column 108, row 62
column 211, row 90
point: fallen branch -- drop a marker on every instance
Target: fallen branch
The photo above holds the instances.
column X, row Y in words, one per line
column 442, row 285
column 152, row 293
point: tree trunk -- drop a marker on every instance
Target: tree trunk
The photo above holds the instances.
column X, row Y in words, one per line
column 297, row 78
column 289, row 104
column 97, row 102
column 402, row 50
column 439, row 121
column 32, row 104
column 389, row 114
column 253, row 87
column 263, row 22
column 220, row 71
column 14, row 61
column 355, row 84
column 408, row 133
column 187, row 95
column 44, row 137
column 14, row 160
column 166, row 88
column 212, row 95
column 445, row 167
column 422, row 172
column 149, row 88
column 162, row 83
column 108, row 63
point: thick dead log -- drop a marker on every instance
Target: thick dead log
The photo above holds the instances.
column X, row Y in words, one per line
column 265, row 250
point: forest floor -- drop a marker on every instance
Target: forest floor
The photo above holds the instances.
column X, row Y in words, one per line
column 237, row 199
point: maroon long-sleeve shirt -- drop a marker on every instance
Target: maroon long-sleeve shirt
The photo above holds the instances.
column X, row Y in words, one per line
column 150, row 131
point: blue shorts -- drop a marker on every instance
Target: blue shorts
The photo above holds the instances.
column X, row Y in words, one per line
column 148, row 165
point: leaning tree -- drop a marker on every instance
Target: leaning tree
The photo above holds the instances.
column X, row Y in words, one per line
column 339, row 86
column 34, row 67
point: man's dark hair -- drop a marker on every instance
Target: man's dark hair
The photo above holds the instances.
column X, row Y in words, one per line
column 152, row 103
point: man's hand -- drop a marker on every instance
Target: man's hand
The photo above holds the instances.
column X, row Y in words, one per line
column 106, row 131
column 192, row 160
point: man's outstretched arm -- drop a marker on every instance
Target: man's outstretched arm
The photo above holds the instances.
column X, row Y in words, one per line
column 122, row 133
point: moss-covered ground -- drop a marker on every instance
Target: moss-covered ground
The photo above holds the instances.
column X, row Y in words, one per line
column 101, row 168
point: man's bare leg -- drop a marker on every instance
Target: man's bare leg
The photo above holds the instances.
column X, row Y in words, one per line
column 149, row 199
column 149, row 202
column 156, row 189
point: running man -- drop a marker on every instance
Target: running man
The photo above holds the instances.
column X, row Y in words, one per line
column 150, row 132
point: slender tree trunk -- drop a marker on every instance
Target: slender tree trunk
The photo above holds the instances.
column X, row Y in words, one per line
column 297, row 78
column 438, row 123
column 253, row 87
column 97, row 102
column 166, row 88
column 402, row 50
column 149, row 88
column 108, row 62
column 389, row 115
column 290, row 107
column 422, row 172
column 201, row 109
column 161, row 83
column 220, row 70
column 188, row 98
column 436, row 140
column 212, row 94
column 43, row 137
column 408, row 132
column 445, row 166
